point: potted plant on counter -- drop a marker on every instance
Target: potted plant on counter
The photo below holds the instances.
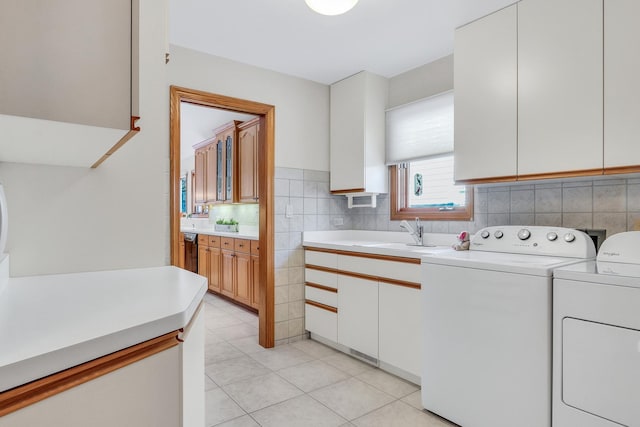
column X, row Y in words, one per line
column 227, row 225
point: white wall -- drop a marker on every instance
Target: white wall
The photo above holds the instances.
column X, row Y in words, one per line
column 65, row 219
column 421, row 82
column 302, row 106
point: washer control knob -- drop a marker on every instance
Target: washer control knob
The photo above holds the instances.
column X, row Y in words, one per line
column 551, row 236
column 498, row 234
column 524, row 234
column 569, row 237
column 485, row 234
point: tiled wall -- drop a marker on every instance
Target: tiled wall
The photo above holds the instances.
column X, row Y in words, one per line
column 611, row 204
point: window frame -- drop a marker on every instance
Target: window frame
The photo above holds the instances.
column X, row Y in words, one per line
column 399, row 210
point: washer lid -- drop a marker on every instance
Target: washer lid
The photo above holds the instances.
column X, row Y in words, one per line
column 537, row 265
column 602, row 272
column 621, row 247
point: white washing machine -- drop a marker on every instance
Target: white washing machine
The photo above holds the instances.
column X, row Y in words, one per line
column 596, row 338
column 487, row 325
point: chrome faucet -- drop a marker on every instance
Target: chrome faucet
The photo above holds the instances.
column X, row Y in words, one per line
column 418, row 234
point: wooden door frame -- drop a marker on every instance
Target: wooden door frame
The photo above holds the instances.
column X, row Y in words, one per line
column 265, row 190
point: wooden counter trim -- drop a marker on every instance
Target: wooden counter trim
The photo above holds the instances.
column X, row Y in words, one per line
column 321, row 287
column 35, row 391
column 402, row 283
column 366, row 255
column 566, row 174
column 387, row 280
column 132, row 132
column 490, row 180
column 322, row 306
column 621, row 170
column 348, row 190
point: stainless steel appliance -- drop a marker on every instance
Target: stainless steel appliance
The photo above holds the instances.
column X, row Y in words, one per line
column 191, row 252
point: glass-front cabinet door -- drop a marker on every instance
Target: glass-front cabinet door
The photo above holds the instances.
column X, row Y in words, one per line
column 228, row 176
column 220, row 193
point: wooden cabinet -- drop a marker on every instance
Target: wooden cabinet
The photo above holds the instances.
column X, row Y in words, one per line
column 228, row 272
column 621, row 86
column 248, row 141
column 181, row 251
column 357, row 134
column 200, row 184
column 486, row 97
column 255, row 269
column 560, row 84
column 210, row 173
column 215, row 264
column 203, row 255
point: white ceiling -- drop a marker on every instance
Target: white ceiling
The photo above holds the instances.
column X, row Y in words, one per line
column 197, row 124
column 386, row 37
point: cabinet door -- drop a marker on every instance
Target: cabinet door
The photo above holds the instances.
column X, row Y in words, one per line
column 358, row 314
column 247, row 163
column 486, row 97
column 242, row 291
column 229, row 166
column 211, row 173
column 215, row 269
column 255, row 281
column 347, row 133
column 228, row 272
column 400, row 327
column 203, row 260
column 200, row 190
column 560, row 84
column 621, row 83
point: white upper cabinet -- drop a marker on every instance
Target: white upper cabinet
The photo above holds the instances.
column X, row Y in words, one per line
column 357, row 134
column 621, row 84
column 560, row 84
column 486, row 97
column 67, row 80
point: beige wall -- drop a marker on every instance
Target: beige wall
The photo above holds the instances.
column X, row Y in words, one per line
column 302, row 106
column 65, row 219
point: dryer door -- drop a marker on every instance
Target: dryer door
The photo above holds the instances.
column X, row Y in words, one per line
column 601, row 370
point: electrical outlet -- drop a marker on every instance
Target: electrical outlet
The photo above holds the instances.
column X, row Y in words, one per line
column 288, row 211
column 338, row 221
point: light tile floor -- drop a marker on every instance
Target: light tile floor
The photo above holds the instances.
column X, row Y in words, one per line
column 302, row 384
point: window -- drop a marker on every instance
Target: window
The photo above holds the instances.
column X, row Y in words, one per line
column 420, row 155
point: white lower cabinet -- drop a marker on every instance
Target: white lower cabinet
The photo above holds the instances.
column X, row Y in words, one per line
column 358, row 314
column 400, row 326
column 321, row 322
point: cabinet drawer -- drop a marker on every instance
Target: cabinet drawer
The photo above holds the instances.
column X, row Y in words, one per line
column 214, row 241
column 255, row 247
column 323, row 278
column 203, row 239
column 227, row 243
column 321, row 322
column 322, row 296
column 242, row 245
column 323, row 259
column 384, row 269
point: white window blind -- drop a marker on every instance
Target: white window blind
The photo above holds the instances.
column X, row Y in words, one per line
column 420, row 129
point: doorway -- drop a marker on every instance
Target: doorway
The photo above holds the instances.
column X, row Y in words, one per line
column 266, row 152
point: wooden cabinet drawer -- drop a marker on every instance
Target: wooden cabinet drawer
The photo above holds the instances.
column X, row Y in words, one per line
column 214, row 241
column 321, row 322
column 255, row 247
column 322, row 296
column 203, row 239
column 242, row 245
column 227, row 243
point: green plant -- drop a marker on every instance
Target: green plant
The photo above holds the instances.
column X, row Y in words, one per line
column 230, row 221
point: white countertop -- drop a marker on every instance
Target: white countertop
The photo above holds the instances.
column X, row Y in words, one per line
column 389, row 243
column 211, row 232
column 51, row 323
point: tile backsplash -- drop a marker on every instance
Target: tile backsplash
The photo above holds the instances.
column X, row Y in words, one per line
column 604, row 203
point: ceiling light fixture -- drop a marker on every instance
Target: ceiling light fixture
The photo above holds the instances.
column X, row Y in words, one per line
column 331, row 7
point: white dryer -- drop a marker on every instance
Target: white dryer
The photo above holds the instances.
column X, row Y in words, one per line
column 487, row 325
column 596, row 338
